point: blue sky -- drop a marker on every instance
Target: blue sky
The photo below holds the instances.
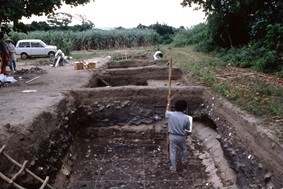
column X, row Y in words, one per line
column 130, row 13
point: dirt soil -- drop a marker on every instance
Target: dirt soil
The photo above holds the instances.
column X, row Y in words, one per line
column 39, row 86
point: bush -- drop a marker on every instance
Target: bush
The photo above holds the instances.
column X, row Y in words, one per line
column 266, row 62
column 256, row 56
column 206, row 45
column 191, row 36
column 181, row 39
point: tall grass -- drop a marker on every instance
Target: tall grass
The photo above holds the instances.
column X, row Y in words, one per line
column 92, row 39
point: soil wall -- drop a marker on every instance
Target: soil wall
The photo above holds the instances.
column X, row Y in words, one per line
column 256, row 157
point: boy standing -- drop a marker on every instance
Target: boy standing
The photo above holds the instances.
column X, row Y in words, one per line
column 178, row 123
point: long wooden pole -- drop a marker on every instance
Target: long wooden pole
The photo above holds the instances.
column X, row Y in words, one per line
column 170, row 73
column 169, row 94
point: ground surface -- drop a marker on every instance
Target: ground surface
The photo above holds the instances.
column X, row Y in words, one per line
column 21, row 101
column 131, row 163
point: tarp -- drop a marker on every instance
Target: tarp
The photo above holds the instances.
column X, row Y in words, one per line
column 7, row 79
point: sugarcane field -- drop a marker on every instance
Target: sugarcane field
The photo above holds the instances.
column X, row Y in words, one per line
column 99, row 122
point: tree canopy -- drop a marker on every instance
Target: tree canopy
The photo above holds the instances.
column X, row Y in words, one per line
column 11, row 11
column 255, row 26
column 235, row 23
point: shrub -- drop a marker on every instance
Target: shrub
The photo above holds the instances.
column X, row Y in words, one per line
column 191, row 36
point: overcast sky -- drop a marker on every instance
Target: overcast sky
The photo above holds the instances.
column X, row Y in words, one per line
column 131, row 13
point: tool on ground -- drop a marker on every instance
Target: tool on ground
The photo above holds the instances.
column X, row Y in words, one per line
column 169, row 94
column 32, row 79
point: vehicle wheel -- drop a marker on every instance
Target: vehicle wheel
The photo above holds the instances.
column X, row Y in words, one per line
column 51, row 54
column 24, row 56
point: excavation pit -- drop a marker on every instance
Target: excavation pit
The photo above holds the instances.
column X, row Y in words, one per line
column 121, row 142
column 112, row 134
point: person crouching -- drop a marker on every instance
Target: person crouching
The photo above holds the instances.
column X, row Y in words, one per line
column 59, row 58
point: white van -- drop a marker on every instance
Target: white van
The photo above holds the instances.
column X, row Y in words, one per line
column 34, row 47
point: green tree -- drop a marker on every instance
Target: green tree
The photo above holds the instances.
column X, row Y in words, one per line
column 11, row 11
column 166, row 32
column 87, row 25
column 254, row 25
column 236, row 23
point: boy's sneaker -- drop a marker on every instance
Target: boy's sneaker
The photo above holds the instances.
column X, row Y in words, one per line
column 172, row 170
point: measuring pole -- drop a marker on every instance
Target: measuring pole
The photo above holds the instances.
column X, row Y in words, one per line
column 170, row 73
column 169, row 94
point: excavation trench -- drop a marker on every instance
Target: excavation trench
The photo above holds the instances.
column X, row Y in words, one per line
column 112, row 134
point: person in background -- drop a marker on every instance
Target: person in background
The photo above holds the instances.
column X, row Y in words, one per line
column 4, row 53
column 12, row 52
column 158, row 55
column 178, row 123
column 61, row 55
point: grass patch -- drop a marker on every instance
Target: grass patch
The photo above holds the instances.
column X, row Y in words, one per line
column 200, row 66
column 267, row 99
column 256, row 96
column 227, row 90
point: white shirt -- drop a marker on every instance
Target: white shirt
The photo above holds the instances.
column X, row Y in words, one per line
column 178, row 122
column 156, row 55
column 59, row 53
